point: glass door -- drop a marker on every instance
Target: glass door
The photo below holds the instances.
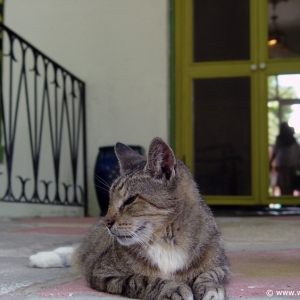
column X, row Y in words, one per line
column 283, row 99
column 224, row 63
column 215, row 124
column 221, row 102
column 222, row 135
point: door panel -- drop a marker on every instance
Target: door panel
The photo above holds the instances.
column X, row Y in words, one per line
column 222, row 136
column 226, row 121
column 221, row 30
column 284, row 29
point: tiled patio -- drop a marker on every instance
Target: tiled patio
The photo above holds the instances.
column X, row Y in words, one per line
column 264, row 253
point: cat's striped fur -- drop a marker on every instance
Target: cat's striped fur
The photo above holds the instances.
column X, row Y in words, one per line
column 159, row 239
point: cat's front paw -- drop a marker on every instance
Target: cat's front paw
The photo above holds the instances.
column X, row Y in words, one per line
column 211, row 292
column 175, row 291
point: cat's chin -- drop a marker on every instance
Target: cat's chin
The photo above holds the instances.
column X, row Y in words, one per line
column 140, row 236
column 126, row 240
column 136, row 239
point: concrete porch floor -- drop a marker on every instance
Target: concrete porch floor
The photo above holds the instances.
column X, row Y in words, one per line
column 264, row 254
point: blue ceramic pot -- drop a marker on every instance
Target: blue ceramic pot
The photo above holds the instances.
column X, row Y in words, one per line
column 105, row 172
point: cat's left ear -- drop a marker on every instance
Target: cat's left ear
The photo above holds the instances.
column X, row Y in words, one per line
column 161, row 163
column 128, row 158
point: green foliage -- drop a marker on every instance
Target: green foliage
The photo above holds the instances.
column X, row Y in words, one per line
column 273, row 121
column 278, row 111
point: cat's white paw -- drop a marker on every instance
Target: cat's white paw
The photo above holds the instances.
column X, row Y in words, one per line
column 176, row 292
column 214, row 293
column 59, row 258
column 182, row 293
column 45, row 260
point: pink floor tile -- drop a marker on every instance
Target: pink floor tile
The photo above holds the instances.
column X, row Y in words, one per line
column 256, row 272
column 80, row 231
column 62, row 220
column 76, row 287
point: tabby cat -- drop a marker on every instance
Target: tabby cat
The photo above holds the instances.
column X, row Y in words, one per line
column 159, row 239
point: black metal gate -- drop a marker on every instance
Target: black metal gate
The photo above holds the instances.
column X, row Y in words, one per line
column 43, row 128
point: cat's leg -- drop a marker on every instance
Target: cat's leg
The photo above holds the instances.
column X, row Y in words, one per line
column 209, row 285
column 142, row 287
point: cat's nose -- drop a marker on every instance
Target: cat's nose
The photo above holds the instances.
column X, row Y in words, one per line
column 109, row 222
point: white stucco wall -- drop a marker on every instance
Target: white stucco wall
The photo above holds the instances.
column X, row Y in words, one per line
column 120, row 49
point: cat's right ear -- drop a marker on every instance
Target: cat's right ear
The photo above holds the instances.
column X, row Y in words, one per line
column 128, row 159
column 161, row 162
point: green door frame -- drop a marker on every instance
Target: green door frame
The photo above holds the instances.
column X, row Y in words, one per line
column 172, row 73
column 183, row 70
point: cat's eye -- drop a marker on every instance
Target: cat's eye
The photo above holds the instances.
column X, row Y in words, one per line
column 128, row 201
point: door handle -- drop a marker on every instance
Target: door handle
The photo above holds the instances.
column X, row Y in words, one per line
column 253, row 67
column 262, row 66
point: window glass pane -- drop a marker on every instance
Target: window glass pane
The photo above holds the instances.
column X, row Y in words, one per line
column 284, row 28
column 284, row 87
column 289, row 86
column 222, row 136
column 272, row 87
column 284, row 133
column 221, row 30
column 273, row 121
column 283, row 104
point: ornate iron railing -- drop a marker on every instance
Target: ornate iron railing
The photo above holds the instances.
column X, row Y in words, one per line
column 43, row 128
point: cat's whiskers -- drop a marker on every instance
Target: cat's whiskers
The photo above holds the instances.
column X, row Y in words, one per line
column 103, row 188
column 104, row 228
column 141, row 243
column 147, row 236
column 151, row 239
column 107, row 184
column 136, row 238
column 105, row 231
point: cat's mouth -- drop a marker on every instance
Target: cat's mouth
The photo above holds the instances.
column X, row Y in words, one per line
column 134, row 234
column 140, row 229
column 124, row 237
column 131, row 235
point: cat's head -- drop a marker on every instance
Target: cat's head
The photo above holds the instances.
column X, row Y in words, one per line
column 142, row 198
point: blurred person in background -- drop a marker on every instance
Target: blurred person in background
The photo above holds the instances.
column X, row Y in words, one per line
column 287, row 155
